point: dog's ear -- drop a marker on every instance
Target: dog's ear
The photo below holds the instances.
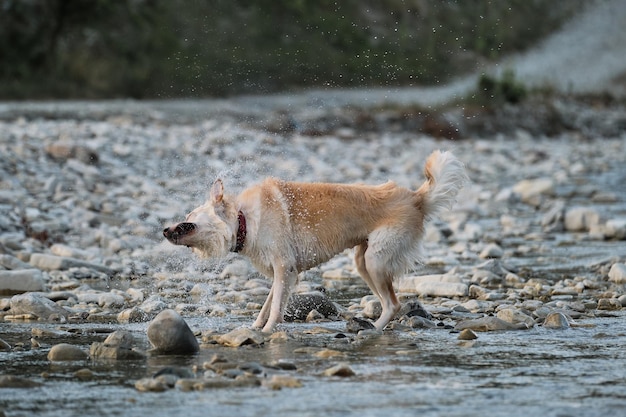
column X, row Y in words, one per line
column 217, row 191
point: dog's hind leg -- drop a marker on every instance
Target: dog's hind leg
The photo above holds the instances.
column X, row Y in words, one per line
column 381, row 276
column 359, row 260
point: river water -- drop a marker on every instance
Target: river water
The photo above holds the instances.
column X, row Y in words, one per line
column 574, row 372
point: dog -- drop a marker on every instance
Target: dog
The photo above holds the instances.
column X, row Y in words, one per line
column 285, row 228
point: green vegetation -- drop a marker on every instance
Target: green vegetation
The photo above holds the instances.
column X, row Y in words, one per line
column 183, row 48
column 505, row 89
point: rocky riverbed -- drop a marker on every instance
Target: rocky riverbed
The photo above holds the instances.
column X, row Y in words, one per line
column 528, row 269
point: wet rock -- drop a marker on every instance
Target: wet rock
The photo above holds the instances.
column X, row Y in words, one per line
column 615, row 229
column 300, row 305
column 151, row 385
column 4, row 346
column 240, row 337
column 609, row 304
column 66, row 352
column 556, row 320
column 617, row 273
column 341, row 370
column 552, row 220
column 20, row 281
column 11, row 381
column 581, row 219
column 355, row 325
column 489, row 324
column 515, row 316
column 37, row 305
column 371, row 307
column 117, row 346
column 418, row 322
column 467, row 334
column 133, row 315
column 169, row 334
column 277, row 382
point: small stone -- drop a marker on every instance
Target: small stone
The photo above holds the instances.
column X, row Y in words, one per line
column 133, row 315
column 531, row 191
column 581, row 219
column 151, row 385
column 515, row 316
column 84, row 374
column 277, row 382
column 66, row 352
column 609, row 304
column 617, row 273
column 492, row 250
column 615, row 229
column 11, row 381
column 467, row 334
column 169, row 334
column 341, row 370
column 356, row 324
column 488, row 324
column 240, row 337
column 556, row 320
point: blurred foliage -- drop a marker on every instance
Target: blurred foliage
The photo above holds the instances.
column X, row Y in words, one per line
column 506, row 89
column 194, row 48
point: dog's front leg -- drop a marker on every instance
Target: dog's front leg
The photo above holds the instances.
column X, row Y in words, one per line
column 264, row 314
column 285, row 278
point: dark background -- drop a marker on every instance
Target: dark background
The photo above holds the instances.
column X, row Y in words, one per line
column 191, row 48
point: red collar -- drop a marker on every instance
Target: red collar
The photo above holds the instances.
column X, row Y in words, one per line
column 241, row 232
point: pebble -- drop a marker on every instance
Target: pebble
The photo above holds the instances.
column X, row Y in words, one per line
column 241, row 337
column 341, row 370
column 66, row 352
column 556, row 320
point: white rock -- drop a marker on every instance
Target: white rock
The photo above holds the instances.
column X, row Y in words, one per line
column 492, row 250
column 581, row 219
column 530, row 190
column 617, row 273
column 433, row 285
column 616, row 229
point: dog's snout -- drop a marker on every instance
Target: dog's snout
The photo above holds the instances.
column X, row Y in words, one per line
column 181, row 229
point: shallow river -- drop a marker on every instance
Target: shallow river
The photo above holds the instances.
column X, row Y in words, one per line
column 573, row 372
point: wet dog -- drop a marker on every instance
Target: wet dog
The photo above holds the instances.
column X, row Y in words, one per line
column 288, row 227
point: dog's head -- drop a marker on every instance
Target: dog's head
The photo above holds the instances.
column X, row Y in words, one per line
column 210, row 229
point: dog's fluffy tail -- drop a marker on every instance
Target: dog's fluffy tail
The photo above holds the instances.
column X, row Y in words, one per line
column 445, row 176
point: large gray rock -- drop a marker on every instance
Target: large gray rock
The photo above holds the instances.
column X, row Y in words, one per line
column 300, row 305
column 53, row 263
column 169, row 334
column 38, row 305
column 22, row 280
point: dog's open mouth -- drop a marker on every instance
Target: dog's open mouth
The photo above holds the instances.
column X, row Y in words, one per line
column 173, row 234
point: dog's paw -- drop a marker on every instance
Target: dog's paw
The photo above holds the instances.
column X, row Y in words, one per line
column 356, row 324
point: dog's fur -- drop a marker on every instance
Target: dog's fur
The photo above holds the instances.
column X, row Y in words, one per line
column 292, row 226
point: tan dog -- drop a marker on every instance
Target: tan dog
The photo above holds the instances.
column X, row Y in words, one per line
column 288, row 227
